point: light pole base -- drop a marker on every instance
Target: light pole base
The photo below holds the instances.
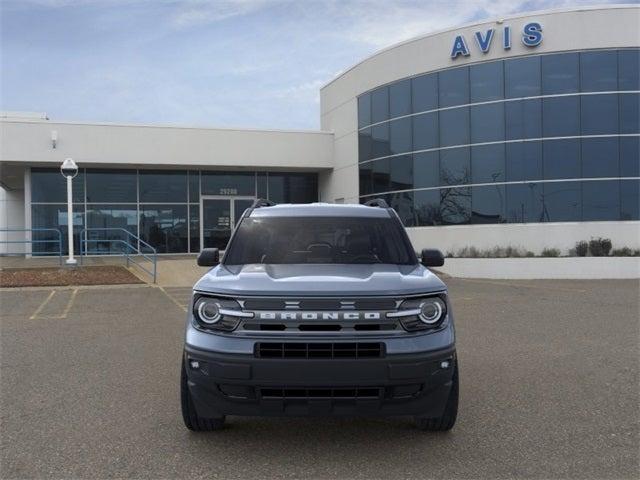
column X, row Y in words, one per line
column 71, row 261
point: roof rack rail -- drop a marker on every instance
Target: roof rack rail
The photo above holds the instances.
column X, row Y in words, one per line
column 261, row 202
column 376, row 202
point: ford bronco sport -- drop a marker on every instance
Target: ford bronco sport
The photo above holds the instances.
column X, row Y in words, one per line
column 319, row 309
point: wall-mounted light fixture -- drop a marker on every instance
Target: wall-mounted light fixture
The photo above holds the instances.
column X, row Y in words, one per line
column 54, row 138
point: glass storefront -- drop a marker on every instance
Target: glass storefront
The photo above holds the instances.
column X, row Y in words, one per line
column 544, row 138
column 161, row 207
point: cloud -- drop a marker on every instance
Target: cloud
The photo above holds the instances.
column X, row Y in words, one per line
column 191, row 13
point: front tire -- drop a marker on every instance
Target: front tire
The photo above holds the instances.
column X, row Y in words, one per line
column 448, row 418
column 192, row 420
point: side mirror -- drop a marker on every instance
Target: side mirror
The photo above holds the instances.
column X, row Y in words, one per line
column 209, row 257
column 432, row 258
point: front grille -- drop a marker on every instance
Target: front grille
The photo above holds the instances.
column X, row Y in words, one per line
column 321, row 304
column 318, row 350
column 331, row 393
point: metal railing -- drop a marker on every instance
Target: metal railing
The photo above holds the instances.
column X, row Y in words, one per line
column 129, row 250
column 33, row 241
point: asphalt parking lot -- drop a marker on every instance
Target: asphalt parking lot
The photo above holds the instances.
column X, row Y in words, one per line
column 549, row 389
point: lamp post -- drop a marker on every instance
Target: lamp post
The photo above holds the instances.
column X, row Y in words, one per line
column 69, row 169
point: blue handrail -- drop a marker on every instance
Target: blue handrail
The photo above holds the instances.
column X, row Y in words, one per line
column 32, row 241
column 127, row 247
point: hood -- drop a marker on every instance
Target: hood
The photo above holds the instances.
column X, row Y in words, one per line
column 320, row 280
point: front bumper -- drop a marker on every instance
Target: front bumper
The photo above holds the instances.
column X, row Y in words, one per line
column 395, row 384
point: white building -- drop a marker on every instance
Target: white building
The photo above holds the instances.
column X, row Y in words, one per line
column 521, row 131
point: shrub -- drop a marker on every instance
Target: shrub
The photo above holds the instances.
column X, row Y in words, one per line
column 582, row 248
column 550, row 252
column 600, row 247
column 625, row 252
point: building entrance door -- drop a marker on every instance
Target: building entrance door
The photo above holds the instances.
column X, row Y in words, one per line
column 219, row 217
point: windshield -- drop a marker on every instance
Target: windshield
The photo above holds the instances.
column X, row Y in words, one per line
column 320, row 240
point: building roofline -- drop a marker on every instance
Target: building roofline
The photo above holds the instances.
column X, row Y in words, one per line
column 481, row 22
column 168, row 126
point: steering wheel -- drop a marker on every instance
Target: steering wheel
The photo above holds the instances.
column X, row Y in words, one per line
column 320, row 244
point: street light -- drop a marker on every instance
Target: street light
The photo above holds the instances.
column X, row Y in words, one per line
column 69, row 169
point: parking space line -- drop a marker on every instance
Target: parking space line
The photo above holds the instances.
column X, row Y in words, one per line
column 170, row 297
column 69, row 304
column 42, row 305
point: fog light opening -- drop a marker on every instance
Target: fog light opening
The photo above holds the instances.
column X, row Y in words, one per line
column 445, row 364
column 194, row 364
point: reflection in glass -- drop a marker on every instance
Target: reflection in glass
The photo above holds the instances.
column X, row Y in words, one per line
column 381, row 175
column 600, row 157
column 523, row 161
column 163, row 186
column 112, row 186
column 380, row 141
column 402, row 203
column 599, row 114
column 364, row 145
column 48, row 185
column 630, row 200
column 293, row 187
column 560, row 73
column 487, row 164
column 454, row 127
column 524, row 203
column 561, row 116
column 366, row 179
column 601, row 200
column 561, row 159
column 401, row 172
column 54, row 216
column 488, row 204
column 380, row 105
column 453, row 87
column 455, row 166
column 424, row 92
column 425, row 131
column 400, row 135
column 115, row 218
column 427, row 207
column 455, row 205
column 165, row 227
column 426, row 169
column 216, row 223
column 562, row 202
column 598, row 71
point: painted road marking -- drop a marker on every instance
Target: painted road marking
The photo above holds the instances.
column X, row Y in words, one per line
column 170, row 297
column 39, row 309
column 64, row 312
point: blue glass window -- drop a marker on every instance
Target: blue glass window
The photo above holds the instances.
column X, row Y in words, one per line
column 380, row 105
column 524, row 203
column 366, row 179
column 560, row 73
column 487, row 164
column 522, row 77
column 400, row 135
column 112, row 186
column 293, row 187
column 381, row 173
column 629, row 113
column 380, row 141
column 455, row 205
column 599, row 114
column 48, row 185
column 365, row 145
column 523, row 161
column 487, row 81
column 426, row 169
column 165, row 227
column 600, row 157
column 630, row 156
column 425, row 131
column 400, row 98
column 601, row 200
column 364, row 110
column 629, row 69
column 488, row 204
column 163, row 186
column 53, row 216
column 114, row 218
column 427, row 207
column 487, row 123
column 630, row 199
column 561, row 116
column 561, row 159
column 523, row 119
column 454, row 127
column 402, row 203
column 194, row 186
column 194, row 227
column 562, row 201
column 454, row 87
column 599, row 71
column 424, row 92
column 262, row 185
column 401, row 174
column 455, row 166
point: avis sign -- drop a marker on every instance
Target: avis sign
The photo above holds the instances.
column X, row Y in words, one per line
column 531, row 37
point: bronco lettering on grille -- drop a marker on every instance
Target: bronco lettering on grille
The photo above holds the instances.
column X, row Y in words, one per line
column 318, row 315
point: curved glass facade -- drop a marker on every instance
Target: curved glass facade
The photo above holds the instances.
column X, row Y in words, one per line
column 541, row 138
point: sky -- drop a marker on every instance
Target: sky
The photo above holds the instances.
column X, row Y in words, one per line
column 219, row 63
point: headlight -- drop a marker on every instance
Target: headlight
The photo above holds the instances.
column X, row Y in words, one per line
column 217, row 313
column 422, row 313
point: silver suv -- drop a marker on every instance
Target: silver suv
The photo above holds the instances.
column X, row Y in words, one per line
column 319, row 310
